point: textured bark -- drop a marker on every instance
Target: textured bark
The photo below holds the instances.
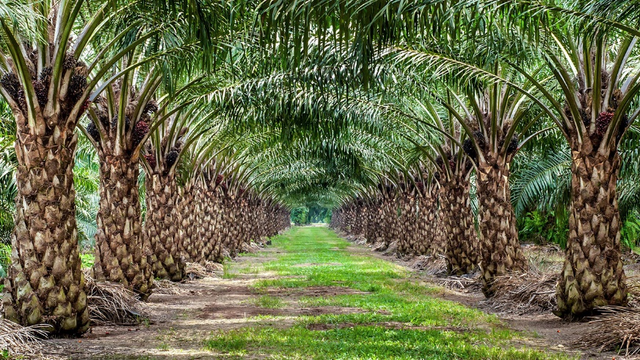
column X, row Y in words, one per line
column 369, row 227
column 119, row 255
column 217, row 223
column 499, row 246
column 160, row 228
column 404, row 223
column 45, row 282
column 190, row 209
column 427, row 223
column 228, row 228
column 592, row 274
column 204, row 224
column 462, row 242
column 439, row 241
column 389, row 217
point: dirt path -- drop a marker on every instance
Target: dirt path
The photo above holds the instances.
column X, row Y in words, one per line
column 184, row 315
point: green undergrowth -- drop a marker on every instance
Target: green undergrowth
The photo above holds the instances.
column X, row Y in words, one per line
column 379, row 311
column 269, row 302
column 87, row 260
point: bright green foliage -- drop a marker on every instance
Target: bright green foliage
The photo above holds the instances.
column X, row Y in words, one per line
column 5, row 259
column 545, row 227
column 7, row 167
column 300, row 215
column 87, row 260
column 423, row 326
column 630, row 232
column 310, row 214
column 269, row 302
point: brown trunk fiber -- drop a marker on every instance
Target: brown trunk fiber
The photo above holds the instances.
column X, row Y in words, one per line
column 426, row 222
column 438, row 244
column 592, row 274
column 499, row 246
column 462, row 242
column 45, row 282
column 160, row 228
column 189, row 210
column 119, row 246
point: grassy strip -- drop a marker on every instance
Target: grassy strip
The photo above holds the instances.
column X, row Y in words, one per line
column 397, row 317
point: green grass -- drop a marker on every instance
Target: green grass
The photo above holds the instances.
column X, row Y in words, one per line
column 424, row 326
column 87, row 260
column 226, row 270
column 269, row 302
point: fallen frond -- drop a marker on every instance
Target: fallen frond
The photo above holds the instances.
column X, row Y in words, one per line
column 466, row 283
column 167, row 287
column 633, row 287
column 250, row 247
column 431, row 265
column 379, row 246
column 198, row 271
column 615, row 328
column 19, row 340
column 392, row 249
column 524, row 293
column 213, row 267
column 113, row 304
column 194, row 271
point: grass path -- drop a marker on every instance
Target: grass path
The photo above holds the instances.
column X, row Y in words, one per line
column 380, row 313
column 311, row 295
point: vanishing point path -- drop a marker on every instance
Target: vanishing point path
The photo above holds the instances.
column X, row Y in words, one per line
column 310, row 295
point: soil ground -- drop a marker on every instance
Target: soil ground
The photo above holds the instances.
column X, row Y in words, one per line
column 184, row 315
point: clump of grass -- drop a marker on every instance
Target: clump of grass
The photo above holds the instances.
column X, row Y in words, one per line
column 232, row 345
column 87, row 260
column 226, row 270
column 269, row 302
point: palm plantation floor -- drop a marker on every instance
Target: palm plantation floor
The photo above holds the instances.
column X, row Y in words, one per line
column 311, row 295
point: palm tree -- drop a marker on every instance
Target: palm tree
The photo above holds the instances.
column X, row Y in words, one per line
column 47, row 87
column 181, row 126
column 8, row 164
column 453, row 171
column 119, row 248
column 593, row 123
column 494, row 118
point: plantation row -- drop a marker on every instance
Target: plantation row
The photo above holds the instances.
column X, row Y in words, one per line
column 203, row 221
column 229, row 115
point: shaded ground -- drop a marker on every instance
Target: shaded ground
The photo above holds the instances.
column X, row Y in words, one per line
column 313, row 295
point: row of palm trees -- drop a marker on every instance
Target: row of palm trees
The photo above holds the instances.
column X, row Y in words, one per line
column 308, row 102
column 573, row 71
column 130, row 71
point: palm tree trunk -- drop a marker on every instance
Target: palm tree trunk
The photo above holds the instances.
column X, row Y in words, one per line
column 462, row 242
column 404, row 247
column 45, row 282
column 425, row 222
column 199, row 222
column 499, row 246
column 189, row 210
column 217, row 225
column 119, row 255
column 592, row 274
column 160, row 228
column 438, row 244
